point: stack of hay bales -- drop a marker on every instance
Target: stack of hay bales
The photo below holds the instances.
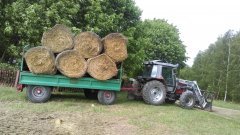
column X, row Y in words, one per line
column 76, row 56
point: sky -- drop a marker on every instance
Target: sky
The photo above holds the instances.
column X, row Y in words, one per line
column 200, row 22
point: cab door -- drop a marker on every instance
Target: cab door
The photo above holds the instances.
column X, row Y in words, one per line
column 169, row 76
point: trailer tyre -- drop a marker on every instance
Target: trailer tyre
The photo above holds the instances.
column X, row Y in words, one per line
column 154, row 92
column 38, row 94
column 187, row 100
column 90, row 94
column 106, row 97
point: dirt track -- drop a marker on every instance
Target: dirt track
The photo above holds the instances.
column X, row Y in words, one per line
column 227, row 113
column 24, row 122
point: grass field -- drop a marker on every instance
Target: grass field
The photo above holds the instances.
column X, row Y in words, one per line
column 125, row 117
column 229, row 105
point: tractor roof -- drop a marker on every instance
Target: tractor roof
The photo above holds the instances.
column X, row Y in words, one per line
column 159, row 62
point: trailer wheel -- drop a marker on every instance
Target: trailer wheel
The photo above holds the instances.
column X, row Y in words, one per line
column 38, row 94
column 187, row 100
column 90, row 94
column 106, row 97
column 154, row 93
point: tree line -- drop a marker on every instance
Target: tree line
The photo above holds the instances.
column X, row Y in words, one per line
column 217, row 69
column 22, row 23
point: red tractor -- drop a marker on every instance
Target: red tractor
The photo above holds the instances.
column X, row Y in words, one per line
column 158, row 84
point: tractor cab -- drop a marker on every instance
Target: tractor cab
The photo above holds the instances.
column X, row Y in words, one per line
column 164, row 72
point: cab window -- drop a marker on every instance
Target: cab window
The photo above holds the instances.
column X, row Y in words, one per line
column 167, row 75
column 150, row 71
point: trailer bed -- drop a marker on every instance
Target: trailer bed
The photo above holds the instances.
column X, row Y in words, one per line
column 28, row 78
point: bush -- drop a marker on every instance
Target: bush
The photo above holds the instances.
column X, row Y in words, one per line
column 7, row 66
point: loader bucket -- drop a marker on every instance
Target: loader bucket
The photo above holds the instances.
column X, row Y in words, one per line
column 209, row 99
column 208, row 107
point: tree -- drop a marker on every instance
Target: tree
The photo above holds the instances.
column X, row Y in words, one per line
column 163, row 41
column 227, row 42
column 26, row 20
column 3, row 40
column 154, row 39
column 217, row 68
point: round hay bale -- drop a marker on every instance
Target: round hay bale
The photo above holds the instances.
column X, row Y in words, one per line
column 115, row 46
column 71, row 64
column 88, row 44
column 40, row 60
column 101, row 67
column 58, row 39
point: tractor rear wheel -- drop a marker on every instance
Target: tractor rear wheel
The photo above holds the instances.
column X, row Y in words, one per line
column 154, row 92
column 38, row 94
column 106, row 97
column 187, row 100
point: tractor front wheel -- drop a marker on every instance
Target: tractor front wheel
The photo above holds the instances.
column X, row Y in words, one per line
column 106, row 97
column 154, row 92
column 187, row 100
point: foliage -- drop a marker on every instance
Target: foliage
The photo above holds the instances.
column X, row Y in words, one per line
column 8, row 66
column 210, row 67
column 163, row 41
column 186, row 73
column 153, row 40
column 24, row 21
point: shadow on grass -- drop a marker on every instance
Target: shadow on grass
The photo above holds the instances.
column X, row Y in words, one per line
column 57, row 96
column 70, row 97
column 120, row 100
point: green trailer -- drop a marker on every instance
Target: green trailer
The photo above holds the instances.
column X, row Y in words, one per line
column 39, row 87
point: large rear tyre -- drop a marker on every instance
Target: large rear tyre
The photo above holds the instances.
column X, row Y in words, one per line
column 106, row 97
column 187, row 100
column 154, row 92
column 38, row 94
column 90, row 94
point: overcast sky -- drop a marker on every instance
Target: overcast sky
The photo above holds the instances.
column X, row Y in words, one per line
column 200, row 22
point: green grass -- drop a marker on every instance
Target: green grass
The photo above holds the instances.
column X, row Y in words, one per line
column 58, row 102
column 11, row 94
column 165, row 119
column 229, row 105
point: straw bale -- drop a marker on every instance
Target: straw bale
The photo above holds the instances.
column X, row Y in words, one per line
column 115, row 46
column 88, row 44
column 101, row 67
column 58, row 39
column 71, row 64
column 40, row 60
